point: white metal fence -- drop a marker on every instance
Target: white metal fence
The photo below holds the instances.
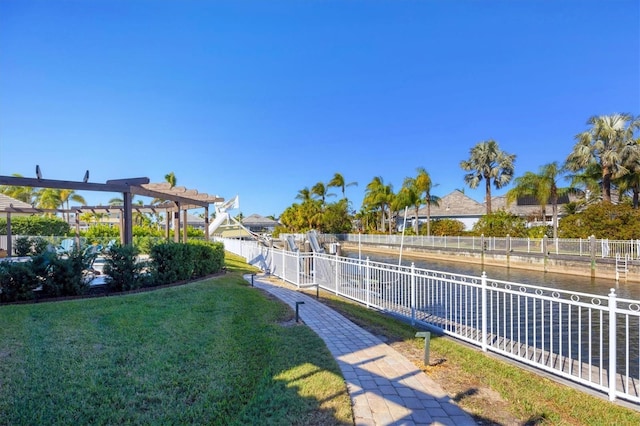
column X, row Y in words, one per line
column 560, row 246
column 589, row 339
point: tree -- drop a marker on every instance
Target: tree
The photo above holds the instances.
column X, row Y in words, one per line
column 544, row 186
column 338, row 182
column 630, row 180
column 26, row 194
column 304, row 194
column 321, row 191
column 171, row 178
column 67, row 195
column 379, row 196
column 500, row 224
column 424, row 186
column 488, row 162
column 603, row 144
column 48, row 198
column 408, row 196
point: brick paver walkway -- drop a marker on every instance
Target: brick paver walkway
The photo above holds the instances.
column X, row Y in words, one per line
column 385, row 387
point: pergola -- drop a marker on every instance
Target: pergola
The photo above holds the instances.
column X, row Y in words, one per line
column 177, row 199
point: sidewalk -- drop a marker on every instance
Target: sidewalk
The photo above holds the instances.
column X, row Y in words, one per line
column 385, row 387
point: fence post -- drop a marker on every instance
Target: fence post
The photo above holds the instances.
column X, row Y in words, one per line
column 592, row 254
column 336, row 274
column 298, row 269
column 413, row 293
column 367, row 281
column 612, row 345
column 284, row 264
column 483, row 287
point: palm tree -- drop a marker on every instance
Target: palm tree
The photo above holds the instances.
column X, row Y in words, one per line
column 304, row 194
column 409, row 196
column 544, row 186
column 603, row 144
column 423, row 185
column 630, row 180
column 379, row 195
column 48, row 198
column 26, row 194
column 321, row 191
column 488, row 162
column 338, row 182
column 67, row 195
column 171, row 178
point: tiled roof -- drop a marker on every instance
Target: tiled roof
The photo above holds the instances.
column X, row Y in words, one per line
column 6, row 202
column 454, row 204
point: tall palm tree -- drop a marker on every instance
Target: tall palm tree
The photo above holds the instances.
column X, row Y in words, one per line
column 48, row 198
column 22, row 193
column 544, row 186
column 304, row 194
column 67, row 195
column 321, row 191
column 409, row 196
column 630, row 180
column 424, row 186
column 603, row 144
column 488, row 162
column 379, row 195
column 338, row 182
column 171, row 178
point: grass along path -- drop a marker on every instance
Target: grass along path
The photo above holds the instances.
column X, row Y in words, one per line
column 492, row 390
column 211, row 352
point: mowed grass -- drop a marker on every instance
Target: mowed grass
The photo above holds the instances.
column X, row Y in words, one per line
column 212, row 352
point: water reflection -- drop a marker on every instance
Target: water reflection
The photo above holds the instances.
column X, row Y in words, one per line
column 599, row 286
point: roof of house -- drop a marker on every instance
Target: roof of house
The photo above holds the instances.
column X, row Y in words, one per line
column 454, row 204
column 7, row 202
column 257, row 221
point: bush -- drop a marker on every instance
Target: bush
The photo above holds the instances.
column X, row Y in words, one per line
column 173, row 262
column 35, row 225
column 604, row 220
column 23, row 246
column 444, row 227
column 123, row 270
column 501, row 224
column 65, row 277
column 17, row 281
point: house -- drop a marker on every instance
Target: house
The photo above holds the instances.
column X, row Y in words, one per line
column 259, row 224
column 459, row 206
column 7, row 203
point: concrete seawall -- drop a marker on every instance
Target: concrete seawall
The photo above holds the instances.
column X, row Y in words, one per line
column 572, row 265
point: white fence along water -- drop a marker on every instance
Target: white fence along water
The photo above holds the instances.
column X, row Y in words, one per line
column 586, row 338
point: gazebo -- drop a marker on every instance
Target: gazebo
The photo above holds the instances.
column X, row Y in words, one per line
column 177, row 200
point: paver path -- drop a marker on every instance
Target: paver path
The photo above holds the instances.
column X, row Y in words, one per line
column 385, row 387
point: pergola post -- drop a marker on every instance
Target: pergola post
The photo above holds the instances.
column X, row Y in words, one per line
column 9, row 242
column 77, row 228
column 184, row 226
column 176, row 223
column 128, row 221
column 167, row 224
column 206, row 223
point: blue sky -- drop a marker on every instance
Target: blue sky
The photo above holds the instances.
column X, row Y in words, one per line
column 264, row 98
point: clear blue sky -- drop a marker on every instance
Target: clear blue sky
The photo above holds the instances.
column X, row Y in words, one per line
column 263, row 98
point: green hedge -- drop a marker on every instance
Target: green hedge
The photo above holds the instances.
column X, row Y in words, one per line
column 172, row 262
column 35, row 225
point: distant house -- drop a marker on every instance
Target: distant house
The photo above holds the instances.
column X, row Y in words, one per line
column 259, row 224
column 459, row 206
column 7, row 202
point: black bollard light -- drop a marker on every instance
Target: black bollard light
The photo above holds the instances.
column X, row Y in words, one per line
column 252, row 276
column 297, row 310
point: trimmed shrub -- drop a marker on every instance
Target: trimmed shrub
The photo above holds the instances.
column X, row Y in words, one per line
column 23, row 246
column 123, row 270
column 64, row 276
column 170, row 264
column 17, row 281
column 208, row 258
column 35, row 225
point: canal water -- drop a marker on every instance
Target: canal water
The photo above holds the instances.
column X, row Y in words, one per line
column 599, row 286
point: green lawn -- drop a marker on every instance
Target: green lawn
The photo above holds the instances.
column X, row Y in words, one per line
column 211, row 352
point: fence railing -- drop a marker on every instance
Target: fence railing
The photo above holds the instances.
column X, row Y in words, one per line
column 589, row 339
column 586, row 247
